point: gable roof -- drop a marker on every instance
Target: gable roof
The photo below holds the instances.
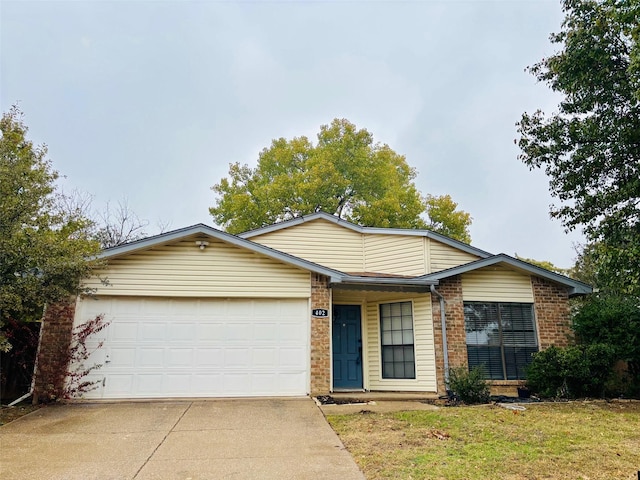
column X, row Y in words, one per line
column 370, row 230
column 336, row 277
column 575, row 287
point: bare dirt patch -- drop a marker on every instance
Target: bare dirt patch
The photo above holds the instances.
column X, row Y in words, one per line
column 9, row 414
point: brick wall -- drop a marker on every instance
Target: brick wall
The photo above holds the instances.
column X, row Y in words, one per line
column 320, row 337
column 551, row 311
column 552, row 314
column 52, row 359
column 451, row 290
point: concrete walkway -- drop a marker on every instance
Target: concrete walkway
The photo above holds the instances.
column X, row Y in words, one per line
column 212, row 439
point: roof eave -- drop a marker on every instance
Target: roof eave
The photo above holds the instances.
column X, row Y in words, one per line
column 575, row 287
column 417, row 284
column 175, row 235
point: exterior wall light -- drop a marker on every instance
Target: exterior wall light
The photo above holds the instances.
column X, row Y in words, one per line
column 202, row 244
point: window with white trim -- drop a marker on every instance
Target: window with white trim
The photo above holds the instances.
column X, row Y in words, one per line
column 396, row 332
column 501, row 337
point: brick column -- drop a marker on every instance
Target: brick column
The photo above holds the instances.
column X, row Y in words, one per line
column 552, row 314
column 451, row 290
column 53, row 352
column 320, row 337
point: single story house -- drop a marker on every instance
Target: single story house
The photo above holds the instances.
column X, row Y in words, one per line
column 307, row 307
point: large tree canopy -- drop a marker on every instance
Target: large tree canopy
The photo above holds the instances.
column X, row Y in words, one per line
column 345, row 173
column 443, row 217
column 43, row 245
column 590, row 148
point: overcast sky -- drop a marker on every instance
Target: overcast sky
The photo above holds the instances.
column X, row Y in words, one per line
column 151, row 100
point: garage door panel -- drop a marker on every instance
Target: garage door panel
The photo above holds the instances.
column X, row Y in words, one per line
column 122, row 358
column 207, row 357
column 123, row 331
column 236, row 358
column 152, row 332
column 208, row 332
column 290, row 333
column 149, row 384
column 291, row 357
column 181, row 332
column 266, row 332
column 264, row 357
column 203, row 347
column 238, row 332
column 179, row 357
column 150, row 357
column 176, row 384
column 291, row 382
column 207, row 384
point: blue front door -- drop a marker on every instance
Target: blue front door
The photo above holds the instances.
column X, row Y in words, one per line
column 347, row 347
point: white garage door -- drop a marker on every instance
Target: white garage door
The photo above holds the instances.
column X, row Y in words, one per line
column 199, row 348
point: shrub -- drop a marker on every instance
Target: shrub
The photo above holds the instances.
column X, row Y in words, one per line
column 469, row 385
column 571, row 372
column 16, row 365
column 614, row 320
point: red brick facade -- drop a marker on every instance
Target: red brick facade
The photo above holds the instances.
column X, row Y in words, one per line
column 320, row 337
column 552, row 314
column 52, row 359
column 451, row 290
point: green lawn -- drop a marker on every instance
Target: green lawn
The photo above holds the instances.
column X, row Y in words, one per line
column 578, row 440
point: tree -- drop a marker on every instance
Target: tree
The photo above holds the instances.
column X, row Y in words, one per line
column 43, row 246
column 445, row 219
column 110, row 226
column 119, row 226
column 546, row 264
column 613, row 320
column 590, row 148
column 345, row 173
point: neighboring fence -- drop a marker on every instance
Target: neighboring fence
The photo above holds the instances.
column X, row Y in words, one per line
column 16, row 365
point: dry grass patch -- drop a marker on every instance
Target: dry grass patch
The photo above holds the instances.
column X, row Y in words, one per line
column 578, row 440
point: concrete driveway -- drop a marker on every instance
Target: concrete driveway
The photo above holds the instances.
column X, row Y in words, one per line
column 229, row 439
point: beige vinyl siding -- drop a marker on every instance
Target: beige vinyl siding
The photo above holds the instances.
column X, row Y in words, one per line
column 395, row 254
column 443, row 256
column 183, row 270
column 423, row 339
column 496, row 284
column 322, row 242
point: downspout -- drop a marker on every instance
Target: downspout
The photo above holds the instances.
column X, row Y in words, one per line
column 445, row 348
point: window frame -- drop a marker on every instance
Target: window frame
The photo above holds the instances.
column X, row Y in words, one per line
column 507, row 362
column 384, row 375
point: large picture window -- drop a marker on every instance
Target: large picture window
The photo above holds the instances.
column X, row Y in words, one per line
column 501, row 337
column 396, row 328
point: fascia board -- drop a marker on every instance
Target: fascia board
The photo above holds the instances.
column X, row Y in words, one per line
column 175, row 235
column 417, row 281
column 375, row 287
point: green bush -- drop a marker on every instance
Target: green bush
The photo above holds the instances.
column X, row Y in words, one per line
column 614, row 320
column 469, row 385
column 572, row 372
